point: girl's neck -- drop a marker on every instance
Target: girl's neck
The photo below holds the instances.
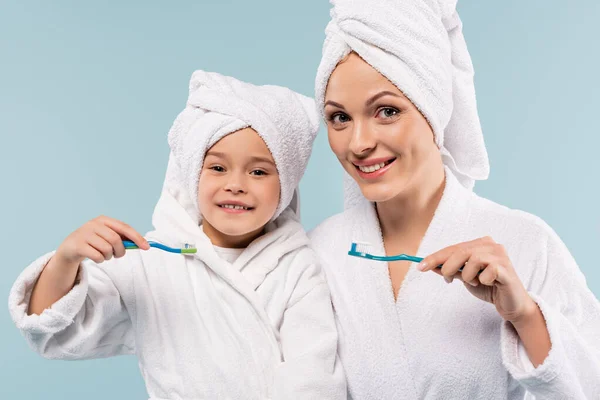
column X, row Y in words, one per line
column 409, row 214
column 219, row 239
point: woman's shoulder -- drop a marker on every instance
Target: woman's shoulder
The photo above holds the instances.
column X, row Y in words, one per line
column 336, row 224
column 514, row 222
column 337, row 232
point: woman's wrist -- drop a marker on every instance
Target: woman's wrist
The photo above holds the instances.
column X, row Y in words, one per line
column 533, row 332
column 529, row 316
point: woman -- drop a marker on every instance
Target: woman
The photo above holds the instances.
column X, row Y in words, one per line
column 396, row 88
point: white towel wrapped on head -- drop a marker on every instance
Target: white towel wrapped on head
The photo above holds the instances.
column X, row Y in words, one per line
column 419, row 46
column 219, row 105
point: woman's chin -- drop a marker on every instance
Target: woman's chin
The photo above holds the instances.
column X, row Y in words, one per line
column 380, row 193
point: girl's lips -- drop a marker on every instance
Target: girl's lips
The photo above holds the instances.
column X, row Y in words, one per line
column 234, row 210
column 231, row 210
column 378, row 173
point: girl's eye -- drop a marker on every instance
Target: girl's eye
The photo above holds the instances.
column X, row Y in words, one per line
column 387, row 112
column 339, row 118
column 217, row 168
column 258, row 172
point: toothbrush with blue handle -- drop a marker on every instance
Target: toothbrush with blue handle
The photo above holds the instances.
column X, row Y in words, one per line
column 129, row 245
column 361, row 250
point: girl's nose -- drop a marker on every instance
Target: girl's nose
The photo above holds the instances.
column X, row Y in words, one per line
column 235, row 185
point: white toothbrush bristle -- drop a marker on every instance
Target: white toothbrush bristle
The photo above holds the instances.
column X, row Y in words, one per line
column 363, row 247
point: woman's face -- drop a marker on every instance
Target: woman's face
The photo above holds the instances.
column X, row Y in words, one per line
column 378, row 135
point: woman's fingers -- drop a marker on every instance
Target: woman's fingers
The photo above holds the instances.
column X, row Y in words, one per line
column 477, row 262
column 454, row 263
column 483, row 261
column 495, row 272
column 440, row 257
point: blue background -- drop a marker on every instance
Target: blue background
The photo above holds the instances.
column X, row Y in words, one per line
column 88, row 91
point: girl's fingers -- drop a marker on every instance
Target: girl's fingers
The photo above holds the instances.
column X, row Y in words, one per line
column 111, row 237
column 126, row 231
column 102, row 246
column 92, row 254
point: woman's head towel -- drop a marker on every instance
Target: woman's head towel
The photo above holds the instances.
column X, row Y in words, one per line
column 217, row 106
column 419, row 46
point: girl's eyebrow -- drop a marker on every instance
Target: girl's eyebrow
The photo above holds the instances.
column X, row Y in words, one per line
column 216, row 154
column 262, row 159
column 252, row 158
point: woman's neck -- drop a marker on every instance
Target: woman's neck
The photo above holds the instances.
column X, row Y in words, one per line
column 409, row 214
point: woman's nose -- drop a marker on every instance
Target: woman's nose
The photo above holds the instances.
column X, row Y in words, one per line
column 362, row 141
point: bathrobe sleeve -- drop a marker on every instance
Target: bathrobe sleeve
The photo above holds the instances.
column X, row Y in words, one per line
column 572, row 314
column 311, row 368
column 90, row 321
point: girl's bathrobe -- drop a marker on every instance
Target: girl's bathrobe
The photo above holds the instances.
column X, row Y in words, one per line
column 202, row 328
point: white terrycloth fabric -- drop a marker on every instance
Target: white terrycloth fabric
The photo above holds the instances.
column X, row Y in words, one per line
column 219, row 105
column 419, row 46
column 201, row 327
column 437, row 341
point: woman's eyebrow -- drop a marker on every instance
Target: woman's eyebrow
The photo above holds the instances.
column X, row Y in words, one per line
column 333, row 103
column 379, row 95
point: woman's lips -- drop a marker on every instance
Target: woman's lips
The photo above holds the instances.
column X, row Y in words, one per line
column 373, row 169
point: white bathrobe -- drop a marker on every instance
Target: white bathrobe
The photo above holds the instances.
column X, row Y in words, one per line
column 202, row 328
column 437, row 341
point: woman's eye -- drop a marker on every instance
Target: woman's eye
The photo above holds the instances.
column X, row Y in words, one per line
column 339, row 118
column 258, row 172
column 217, row 168
column 387, row 112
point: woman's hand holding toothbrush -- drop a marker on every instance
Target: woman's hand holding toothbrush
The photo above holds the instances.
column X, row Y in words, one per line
column 489, row 275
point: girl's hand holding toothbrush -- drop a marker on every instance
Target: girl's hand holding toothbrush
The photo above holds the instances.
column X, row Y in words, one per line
column 99, row 240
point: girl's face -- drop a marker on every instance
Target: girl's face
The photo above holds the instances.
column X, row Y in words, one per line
column 238, row 189
column 379, row 136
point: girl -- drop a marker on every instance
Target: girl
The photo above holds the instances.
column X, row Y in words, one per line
column 249, row 315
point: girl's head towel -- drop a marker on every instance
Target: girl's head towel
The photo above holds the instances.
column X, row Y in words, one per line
column 219, row 105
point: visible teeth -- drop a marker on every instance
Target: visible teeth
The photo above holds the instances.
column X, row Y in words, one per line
column 371, row 168
column 234, row 207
